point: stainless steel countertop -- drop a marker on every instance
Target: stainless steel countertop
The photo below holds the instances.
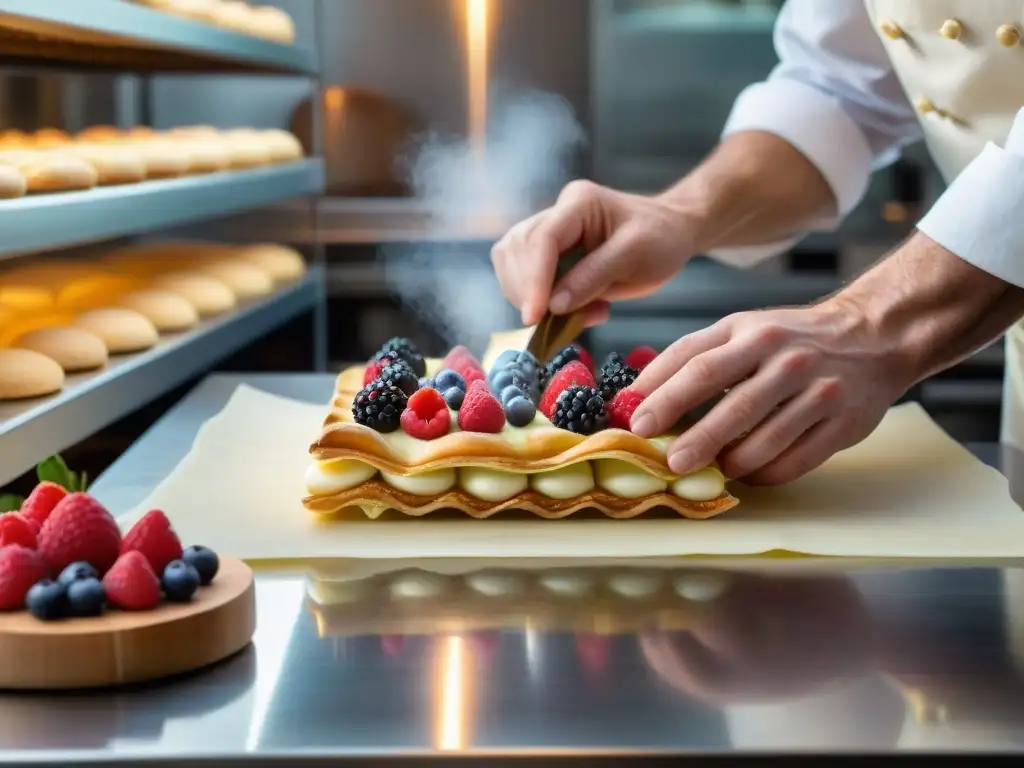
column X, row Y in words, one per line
column 794, row 655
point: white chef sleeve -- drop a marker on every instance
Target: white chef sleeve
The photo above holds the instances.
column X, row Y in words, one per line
column 980, row 217
column 833, row 96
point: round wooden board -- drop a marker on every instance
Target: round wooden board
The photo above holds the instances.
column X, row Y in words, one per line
column 123, row 647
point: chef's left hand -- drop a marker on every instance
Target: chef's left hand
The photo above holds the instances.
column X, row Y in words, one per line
column 803, row 384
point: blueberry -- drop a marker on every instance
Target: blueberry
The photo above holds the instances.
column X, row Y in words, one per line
column 454, row 397
column 519, row 411
column 76, row 572
column 204, row 560
column 510, row 393
column 505, row 378
column 86, row 597
column 46, row 600
column 447, row 379
column 180, row 581
column 506, row 357
column 426, row 383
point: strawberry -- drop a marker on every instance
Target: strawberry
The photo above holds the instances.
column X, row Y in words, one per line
column 641, row 357
column 622, row 407
column 374, row 368
column 79, row 529
column 480, row 411
column 585, row 357
column 15, row 529
column 426, row 415
column 131, row 584
column 154, row 537
column 40, row 503
column 571, row 374
column 20, row 568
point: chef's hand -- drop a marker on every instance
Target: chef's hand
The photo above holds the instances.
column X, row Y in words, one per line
column 633, row 244
column 803, row 384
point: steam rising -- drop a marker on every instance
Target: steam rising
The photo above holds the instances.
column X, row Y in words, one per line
column 472, row 192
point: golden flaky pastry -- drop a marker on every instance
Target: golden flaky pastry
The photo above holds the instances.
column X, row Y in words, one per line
column 395, row 470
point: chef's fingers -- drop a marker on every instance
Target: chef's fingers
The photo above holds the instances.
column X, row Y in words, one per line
column 807, row 453
column 678, row 354
column 701, row 378
column 770, row 439
column 741, row 410
column 596, row 313
column 595, row 273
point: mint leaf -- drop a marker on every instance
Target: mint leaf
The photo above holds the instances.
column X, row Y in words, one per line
column 83, row 482
column 10, row 503
column 54, row 470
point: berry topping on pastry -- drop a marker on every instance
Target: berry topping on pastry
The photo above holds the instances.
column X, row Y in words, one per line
column 520, row 411
column 372, row 372
column 616, row 375
column 584, row 356
column 480, row 411
column 622, row 406
column 400, row 374
column 379, row 406
column 514, row 377
column 404, row 349
column 454, row 397
column 426, row 416
column 641, row 357
column 561, row 359
column 573, row 373
column 580, row 410
column 447, row 378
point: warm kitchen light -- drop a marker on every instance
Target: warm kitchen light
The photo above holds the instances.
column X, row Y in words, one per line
column 477, row 54
column 453, row 683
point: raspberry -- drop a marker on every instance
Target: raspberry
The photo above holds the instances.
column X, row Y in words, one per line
column 572, row 374
column 40, row 503
column 585, row 357
column 457, row 355
column 372, row 372
column 20, row 568
column 641, row 357
column 472, row 375
column 621, row 409
column 131, row 584
column 79, row 529
column 15, row 529
column 481, row 412
column 154, row 537
column 426, row 416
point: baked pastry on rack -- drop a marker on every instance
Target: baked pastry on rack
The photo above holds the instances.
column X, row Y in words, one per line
column 549, row 437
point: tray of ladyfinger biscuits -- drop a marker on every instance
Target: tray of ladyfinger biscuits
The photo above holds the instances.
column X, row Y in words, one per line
column 551, row 437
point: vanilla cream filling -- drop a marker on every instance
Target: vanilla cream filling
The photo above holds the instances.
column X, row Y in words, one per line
column 324, row 478
column 492, row 484
column 564, row 482
column 707, row 484
column 432, row 483
column 622, row 479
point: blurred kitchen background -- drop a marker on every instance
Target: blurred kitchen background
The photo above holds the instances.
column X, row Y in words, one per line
column 650, row 82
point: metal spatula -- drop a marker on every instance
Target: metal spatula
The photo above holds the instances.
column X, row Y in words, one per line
column 556, row 331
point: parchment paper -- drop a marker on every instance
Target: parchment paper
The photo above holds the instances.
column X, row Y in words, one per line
column 908, row 491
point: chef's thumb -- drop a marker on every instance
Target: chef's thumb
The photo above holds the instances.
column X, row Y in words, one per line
column 591, row 278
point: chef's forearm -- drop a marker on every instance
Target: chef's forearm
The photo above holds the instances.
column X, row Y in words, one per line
column 931, row 308
column 754, row 188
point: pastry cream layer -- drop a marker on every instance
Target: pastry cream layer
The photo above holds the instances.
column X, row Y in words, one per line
column 618, row 478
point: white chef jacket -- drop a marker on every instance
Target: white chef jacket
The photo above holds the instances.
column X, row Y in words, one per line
column 836, row 98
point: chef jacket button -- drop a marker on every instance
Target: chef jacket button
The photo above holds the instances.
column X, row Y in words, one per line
column 951, row 29
column 891, row 29
column 1008, row 35
column 924, row 105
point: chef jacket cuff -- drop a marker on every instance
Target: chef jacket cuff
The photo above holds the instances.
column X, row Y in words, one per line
column 820, row 129
column 980, row 217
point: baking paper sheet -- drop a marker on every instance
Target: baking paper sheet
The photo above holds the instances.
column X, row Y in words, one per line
column 908, row 491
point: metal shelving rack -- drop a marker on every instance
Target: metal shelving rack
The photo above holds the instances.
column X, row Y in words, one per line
column 121, row 36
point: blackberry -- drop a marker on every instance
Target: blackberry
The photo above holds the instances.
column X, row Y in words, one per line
column 404, row 349
column 614, row 358
column 580, row 410
column 616, row 376
column 379, row 406
column 561, row 359
column 399, row 374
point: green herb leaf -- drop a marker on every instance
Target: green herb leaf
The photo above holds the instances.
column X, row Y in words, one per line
column 10, row 503
column 83, row 482
column 54, row 470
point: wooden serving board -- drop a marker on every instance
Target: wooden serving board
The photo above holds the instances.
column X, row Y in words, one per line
column 123, row 647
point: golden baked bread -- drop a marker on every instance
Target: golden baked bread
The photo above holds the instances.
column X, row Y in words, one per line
column 50, row 171
column 122, row 330
column 208, row 295
column 167, row 311
column 446, row 457
column 73, row 349
column 49, row 138
column 25, row 374
column 115, row 163
column 273, row 24
column 12, row 183
column 282, row 263
column 246, row 280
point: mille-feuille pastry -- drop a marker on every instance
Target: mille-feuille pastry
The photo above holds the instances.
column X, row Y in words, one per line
column 12, row 183
column 122, row 330
column 73, row 349
column 50, row 170
column 551, row 438
column 115, row 163
column 168, row 312
column 283, row 264
column 25, row 374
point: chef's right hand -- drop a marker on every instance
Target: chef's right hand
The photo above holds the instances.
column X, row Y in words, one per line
column 633, row 245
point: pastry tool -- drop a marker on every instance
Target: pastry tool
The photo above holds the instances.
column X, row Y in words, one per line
column 556, row 331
